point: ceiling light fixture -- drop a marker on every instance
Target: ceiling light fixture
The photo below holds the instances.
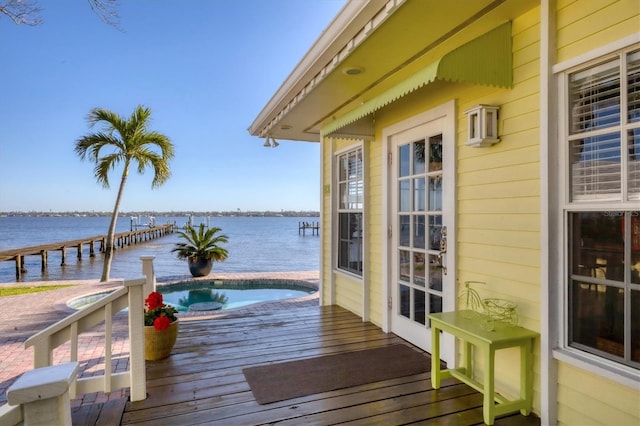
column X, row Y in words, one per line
column 352, row 70
column 270, row 142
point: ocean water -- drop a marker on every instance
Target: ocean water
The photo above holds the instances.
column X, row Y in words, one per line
column 256, row 244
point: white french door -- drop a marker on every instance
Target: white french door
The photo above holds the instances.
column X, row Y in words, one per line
column 422, row 222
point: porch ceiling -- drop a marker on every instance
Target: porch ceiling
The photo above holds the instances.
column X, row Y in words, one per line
column 395, row 43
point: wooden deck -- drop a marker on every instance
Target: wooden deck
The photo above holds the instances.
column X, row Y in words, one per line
column 202, row 381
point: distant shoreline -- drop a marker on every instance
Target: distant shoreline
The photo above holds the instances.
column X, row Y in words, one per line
column 266, row 213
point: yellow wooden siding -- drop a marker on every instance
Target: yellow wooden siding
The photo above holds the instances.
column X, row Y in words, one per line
column 583, row 397
column 585, row 25
column 588, row 399
column 349, row 293
column 498, row 197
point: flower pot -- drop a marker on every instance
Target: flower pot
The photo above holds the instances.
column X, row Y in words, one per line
column 159, row 343
column 200, row 267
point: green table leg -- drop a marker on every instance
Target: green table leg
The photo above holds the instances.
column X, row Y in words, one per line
column 526, row 376
column 435, row 358
column 468, row 366
column 489, row 386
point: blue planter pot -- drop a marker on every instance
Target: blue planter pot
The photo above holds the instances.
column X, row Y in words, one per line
column 200, row 267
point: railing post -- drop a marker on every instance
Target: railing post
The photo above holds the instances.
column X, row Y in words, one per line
column 136, row 340
column 147, row 271
column 42, row 356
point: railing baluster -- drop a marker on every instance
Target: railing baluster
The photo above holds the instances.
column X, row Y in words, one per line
column 108, row 328
column 73, row 356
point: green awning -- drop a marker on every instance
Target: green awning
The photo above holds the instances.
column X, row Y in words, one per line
column 486, row 60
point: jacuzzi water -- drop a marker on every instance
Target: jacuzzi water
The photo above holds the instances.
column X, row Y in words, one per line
column 230, row 294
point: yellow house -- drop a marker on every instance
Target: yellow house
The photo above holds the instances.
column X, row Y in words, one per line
column 493, row 141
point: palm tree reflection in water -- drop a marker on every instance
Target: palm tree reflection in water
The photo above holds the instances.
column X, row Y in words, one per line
column 205, row 295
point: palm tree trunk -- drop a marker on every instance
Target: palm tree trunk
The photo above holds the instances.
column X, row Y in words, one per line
column 108, row 254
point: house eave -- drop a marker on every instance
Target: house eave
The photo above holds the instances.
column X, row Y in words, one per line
column 390, row 41
column 326, row 54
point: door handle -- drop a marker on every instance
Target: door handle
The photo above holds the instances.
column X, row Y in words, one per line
column 441, row 263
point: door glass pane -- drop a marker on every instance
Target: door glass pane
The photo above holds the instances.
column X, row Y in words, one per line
column 419, row 269
column 435, row 193
column 418, row 158
column 435, row 273
column 418, row 234
column 435, row 304
column 405, row 301
column 404, row 195
column 404, row 239
column 419, row 314
column 419, row 194
column 404, row 160
column 435, row 153
column 435, row 232
column 405, row 265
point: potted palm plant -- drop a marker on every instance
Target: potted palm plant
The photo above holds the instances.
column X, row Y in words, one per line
column 201, row 247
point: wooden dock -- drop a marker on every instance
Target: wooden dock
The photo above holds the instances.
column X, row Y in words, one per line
column 314, row 227
column 121, row 240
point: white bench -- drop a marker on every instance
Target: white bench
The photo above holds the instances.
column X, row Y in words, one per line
column 44, row 394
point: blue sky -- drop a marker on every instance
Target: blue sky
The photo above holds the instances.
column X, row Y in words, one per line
column 204, row 67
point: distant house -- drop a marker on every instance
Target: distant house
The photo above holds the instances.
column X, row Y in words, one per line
column 421, row 191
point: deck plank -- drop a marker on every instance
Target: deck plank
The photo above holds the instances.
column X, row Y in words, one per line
column 202, row 381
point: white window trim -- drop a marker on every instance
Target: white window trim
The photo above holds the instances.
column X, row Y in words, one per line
column 335, row 212
column 611, row 370
column 600, row 53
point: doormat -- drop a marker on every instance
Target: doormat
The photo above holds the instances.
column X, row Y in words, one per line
column 277, row 382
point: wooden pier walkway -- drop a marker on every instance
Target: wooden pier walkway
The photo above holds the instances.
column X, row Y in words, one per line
column 121, row 240
column 313, row 226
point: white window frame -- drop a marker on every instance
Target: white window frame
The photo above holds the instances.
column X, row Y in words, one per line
column 338, row 210
column 620, row 373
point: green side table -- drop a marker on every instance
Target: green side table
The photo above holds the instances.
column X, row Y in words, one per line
column 463, row 326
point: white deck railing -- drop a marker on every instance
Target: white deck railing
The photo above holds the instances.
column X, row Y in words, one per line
column 131, row 296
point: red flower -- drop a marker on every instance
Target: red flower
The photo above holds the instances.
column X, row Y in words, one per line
column 161, row 323
column 154, row 300
column 156, row 309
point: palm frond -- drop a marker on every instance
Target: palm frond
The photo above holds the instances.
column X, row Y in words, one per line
column 201, row 242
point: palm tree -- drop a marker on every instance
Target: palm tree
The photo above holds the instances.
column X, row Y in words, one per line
column 125, row 141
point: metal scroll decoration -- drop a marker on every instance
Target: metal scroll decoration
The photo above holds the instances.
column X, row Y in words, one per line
column 490, row 312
